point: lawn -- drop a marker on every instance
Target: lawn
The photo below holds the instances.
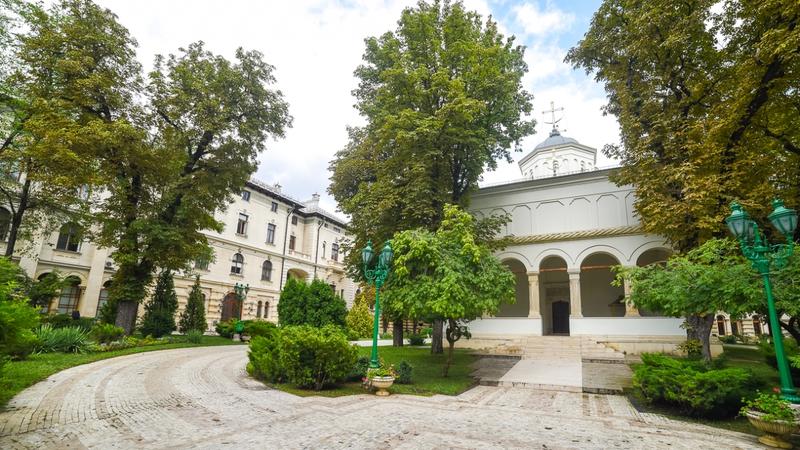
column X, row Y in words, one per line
column 18, row 375
column 427, row 375
column 745, row 357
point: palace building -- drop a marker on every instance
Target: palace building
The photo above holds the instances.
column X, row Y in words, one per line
column 269, row 236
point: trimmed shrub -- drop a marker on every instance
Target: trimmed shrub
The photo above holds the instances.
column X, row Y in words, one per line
column 416, row 339
column 315, row 304
column 359, row 319
column 264, row 358
column 315, row 357
column 63, row 340
column 194, row 336
column 228, row 328
column 359, row 370
column 105, row 333
column 17, row 317
column 790, row 348
column 193, row 316
column 159, row 311
column 691, row 387
column 404, row 371
column 66, row 320
column 260, row 328
column 728, row 339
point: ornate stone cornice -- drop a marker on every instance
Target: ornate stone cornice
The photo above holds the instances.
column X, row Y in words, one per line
column 576, row 235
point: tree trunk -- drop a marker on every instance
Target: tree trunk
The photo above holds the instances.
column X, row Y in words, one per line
column 126, row 315
column 437, row 344
column 791, row 328
column 384, row 323
column 397, row 333
column 452, row 337
column 699, row 328
column 16, row 218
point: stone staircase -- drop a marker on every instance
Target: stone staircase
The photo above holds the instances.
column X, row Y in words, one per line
column 584, row 348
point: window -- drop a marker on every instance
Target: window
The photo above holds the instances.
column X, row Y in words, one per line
column 336, row 230
column 70, row 293
column 323, row 250
column 291, row 242
column 325, row 224
column 266, row 271
column 246, row 196
column 335, row 252
column 294, row 220
column 266, row 309
column 583, row 166
column 274, row 207
column 258, row 310
column 103, row 298
column 241, row 227
column 271, row 233
column 201, row 264
column 757, row 326
column 721, row 325
column 69, row 237
column 237, row 264
column 5, row 223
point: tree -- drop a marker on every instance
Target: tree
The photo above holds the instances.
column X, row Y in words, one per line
column 443, row 99
column 17, row 316
column 707, row 106
column 193, row 316
column 159, row 312
column 42, row 291
column 359, row 319
column 447, row 274
column 695, row 285
column 315, row 304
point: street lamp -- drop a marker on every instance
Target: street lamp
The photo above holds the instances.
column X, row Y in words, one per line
column 377, row 276
column 756, row 248
column 241, row 291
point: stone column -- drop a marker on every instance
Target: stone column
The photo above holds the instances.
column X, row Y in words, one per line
column 575, row 293
column 630, row 310
column 94, row 282
column 533, row 296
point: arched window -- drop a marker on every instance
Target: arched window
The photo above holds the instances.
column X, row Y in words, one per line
column 70, row 293
column 266, row 271
column 757, row 326
column 5, row 223
column 335, row 252
column 258, row 310
column 721, row 325
column 237, row 264
column 69, row 237
column 323, row 249
column 103, row 297
column 266, row 310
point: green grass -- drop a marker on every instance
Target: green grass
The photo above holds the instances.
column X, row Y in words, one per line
column 427, row 376
column 18, row 375
column 739, row 356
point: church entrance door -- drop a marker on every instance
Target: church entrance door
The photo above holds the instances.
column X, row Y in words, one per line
column 229, row 307
column 561, row 317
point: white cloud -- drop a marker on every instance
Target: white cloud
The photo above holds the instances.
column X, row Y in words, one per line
column 537, row 21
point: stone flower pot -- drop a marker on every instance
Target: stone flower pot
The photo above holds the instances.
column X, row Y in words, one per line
column 382, row 383
column 776, row 433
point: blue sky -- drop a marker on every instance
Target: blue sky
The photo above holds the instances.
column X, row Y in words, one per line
column 316, row 44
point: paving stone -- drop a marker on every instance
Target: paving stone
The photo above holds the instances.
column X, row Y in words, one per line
column 202, row 398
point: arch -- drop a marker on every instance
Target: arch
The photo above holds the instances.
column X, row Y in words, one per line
column 266, row 310
column 521, row 306
column 650, row 245
column 5, row 223
column 607, row 249
column 69, row 298
column 509, row 255
column 297, row 274
column 521, row 220
column 757, row 327
column 547, row 253
column 503, row 231
column 608, row 211
column 102, row 297
column 230, row 307
column 266, row 270
column 599, row 298
column 258, row 309
column 720, row 325
column 656, row 255
column 554, row 294
column 237, row 264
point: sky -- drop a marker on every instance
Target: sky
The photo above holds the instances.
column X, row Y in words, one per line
column 315, row 45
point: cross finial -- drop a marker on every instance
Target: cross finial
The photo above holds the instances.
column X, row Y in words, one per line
column 553, row 110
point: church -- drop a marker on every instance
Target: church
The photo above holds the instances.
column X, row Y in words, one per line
column 569, row 226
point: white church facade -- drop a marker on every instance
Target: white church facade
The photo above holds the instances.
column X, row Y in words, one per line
column 569, row 225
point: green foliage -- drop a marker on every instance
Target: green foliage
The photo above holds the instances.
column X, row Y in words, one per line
column 159, row 312
column 359, row 319
column 416, row 339
column 194, row 336
column 767, row 350
column 700, row 93
column 728, row 339
column 66, row 320
column 227, row 328
column 64, row 340
column 315, row 304
column 772, row 408
column 17, row 317
column 360, row 368
column 193, row 316
column 260, row 328
column 693, row 388
column 264, row 356
column 693, row 348
column 315, row 357
column 42, row 291
column 444, row 91
column 404, row 373
column 381, row 371
column 105, row 333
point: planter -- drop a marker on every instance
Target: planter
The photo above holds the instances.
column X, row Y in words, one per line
column 382, row 383
column 776, row 434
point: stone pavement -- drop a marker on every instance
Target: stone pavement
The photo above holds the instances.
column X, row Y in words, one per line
column 202, row 398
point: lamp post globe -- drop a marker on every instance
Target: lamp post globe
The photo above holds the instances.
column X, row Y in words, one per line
column 737, row 221
column 783, row 218
column 376, row 276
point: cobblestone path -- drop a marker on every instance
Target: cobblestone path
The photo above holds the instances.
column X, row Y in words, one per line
column 202, row 398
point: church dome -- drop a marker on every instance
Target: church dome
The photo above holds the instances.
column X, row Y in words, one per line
column 554, row 140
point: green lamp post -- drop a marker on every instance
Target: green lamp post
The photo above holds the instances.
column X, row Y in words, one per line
column 377, row 276
column 241, row 291
column 756, row 248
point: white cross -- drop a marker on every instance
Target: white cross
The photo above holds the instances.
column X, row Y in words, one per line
column 553, row 111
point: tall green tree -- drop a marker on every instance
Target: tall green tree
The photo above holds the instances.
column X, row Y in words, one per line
column 447, row 274
column 314, row 304
column 707, row 103
column 159, row 311
column 695, row 285
column 443, row 99
column 193, row 316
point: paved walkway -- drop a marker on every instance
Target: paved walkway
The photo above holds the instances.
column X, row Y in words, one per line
column 202, row 398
